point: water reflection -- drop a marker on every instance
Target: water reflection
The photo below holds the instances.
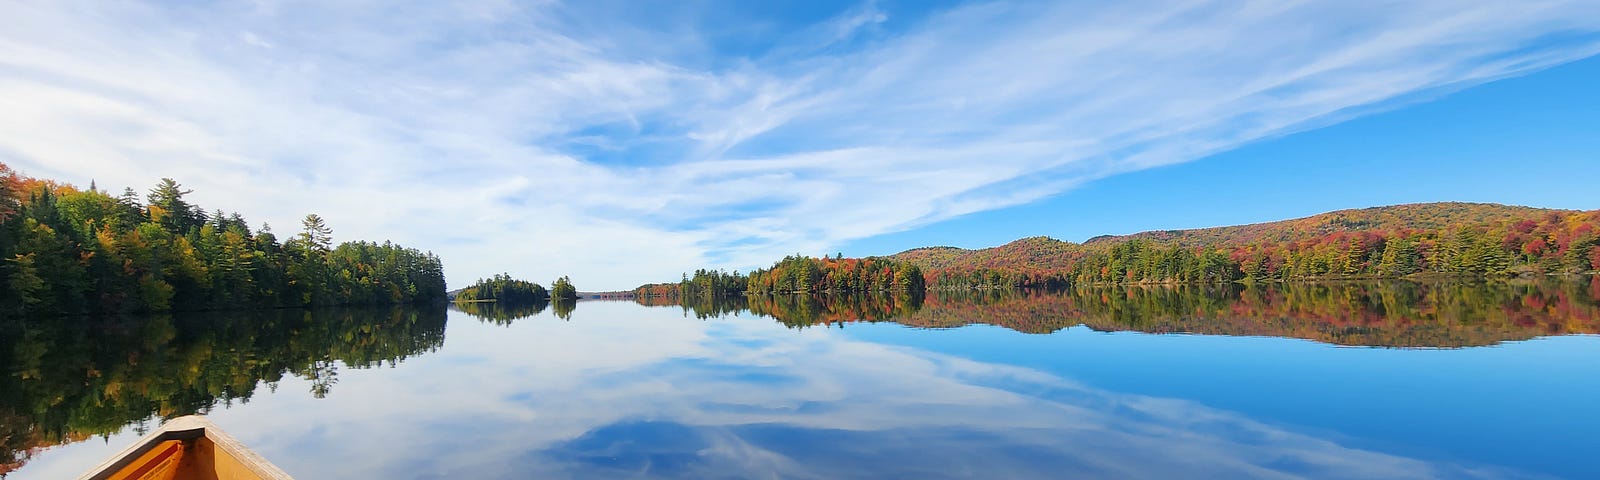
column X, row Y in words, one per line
column 505, row 314
column 1387, row 314
column 622, row 391
column 498, row 313
column 563, row 308
column 803, row 310
column 618, row 390
column 700, row 307
column 70, row 379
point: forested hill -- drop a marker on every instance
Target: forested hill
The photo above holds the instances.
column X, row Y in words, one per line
column 1395, row 241
column 1415, row 216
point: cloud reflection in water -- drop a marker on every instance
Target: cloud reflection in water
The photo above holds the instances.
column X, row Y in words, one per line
column 623, row 391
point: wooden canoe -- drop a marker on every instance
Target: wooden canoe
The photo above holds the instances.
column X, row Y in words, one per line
column 187, row 448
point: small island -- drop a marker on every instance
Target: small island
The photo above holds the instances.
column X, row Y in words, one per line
column 502, row 299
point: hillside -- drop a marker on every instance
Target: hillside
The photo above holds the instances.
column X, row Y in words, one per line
column 1415, row 216
column 1450, row 238
column 1031, row 252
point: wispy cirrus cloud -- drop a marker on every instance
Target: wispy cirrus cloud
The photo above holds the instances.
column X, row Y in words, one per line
column 622, row 145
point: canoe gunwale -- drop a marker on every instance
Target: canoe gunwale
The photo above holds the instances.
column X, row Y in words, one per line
column 191, row 427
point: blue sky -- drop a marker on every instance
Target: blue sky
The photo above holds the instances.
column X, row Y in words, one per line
column 624, row 142
column 1532, row 140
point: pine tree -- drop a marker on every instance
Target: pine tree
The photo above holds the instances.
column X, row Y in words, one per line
column 316, row 236
column 175, row 214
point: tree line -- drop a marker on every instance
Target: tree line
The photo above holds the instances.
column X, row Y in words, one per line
column 705, row 283
column 71, row 251
column 801, row 274
column 793, row 275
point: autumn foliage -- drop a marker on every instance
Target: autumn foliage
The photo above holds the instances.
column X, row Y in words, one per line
column 1439, row 239
column 800, row 274
column 796, row 274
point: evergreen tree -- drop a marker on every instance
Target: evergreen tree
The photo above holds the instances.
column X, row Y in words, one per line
column 316, row 235
column 65, row 251
column 168, row 207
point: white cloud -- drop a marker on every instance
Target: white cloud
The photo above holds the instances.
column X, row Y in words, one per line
column 525, row 138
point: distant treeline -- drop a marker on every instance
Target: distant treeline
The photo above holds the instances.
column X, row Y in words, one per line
column 796, row 274
column 713, row 284
column 70, row 251
column 799, row 274
column 704, row 284
column 1505, row 241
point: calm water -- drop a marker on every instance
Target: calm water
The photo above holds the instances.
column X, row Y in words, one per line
column 1324, row 381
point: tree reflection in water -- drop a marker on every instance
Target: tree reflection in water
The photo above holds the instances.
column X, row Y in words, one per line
column 501, row 313
column 72, row 378
column 1380, row 314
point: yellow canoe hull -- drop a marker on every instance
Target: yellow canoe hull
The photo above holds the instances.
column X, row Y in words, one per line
column 187, row 448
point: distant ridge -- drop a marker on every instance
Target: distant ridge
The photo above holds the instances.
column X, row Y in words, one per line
column 1411, row 216
column 1349, row 243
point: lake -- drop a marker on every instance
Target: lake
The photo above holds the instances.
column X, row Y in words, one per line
column 1342, row 380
